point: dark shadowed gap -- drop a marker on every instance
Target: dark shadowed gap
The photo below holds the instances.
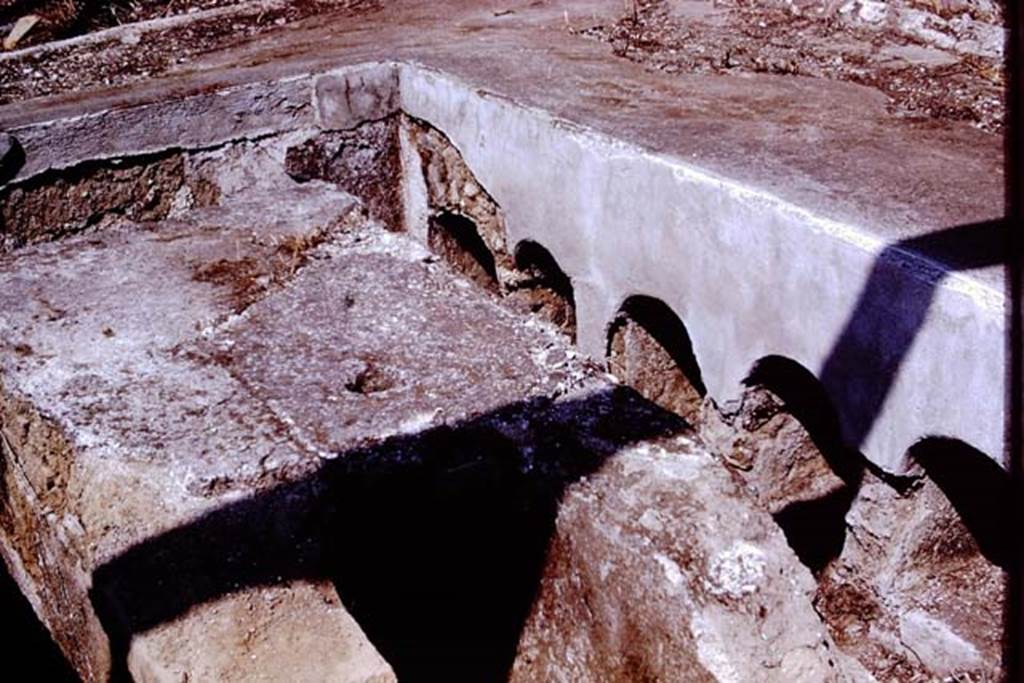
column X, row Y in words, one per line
column 27, row 644
column 457, row 240
column 815, row 529
column 12, row 157
column 434, row 540
column 442, row 573
column 665, row 327
column 544, row 285
column 1014, row 243
column 977, row 488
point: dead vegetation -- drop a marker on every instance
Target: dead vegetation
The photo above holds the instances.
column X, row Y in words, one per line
column 922, row 80
column 122, row 60
column 64, row 18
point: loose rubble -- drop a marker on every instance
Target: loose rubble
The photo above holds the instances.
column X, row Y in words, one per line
column 933, row 60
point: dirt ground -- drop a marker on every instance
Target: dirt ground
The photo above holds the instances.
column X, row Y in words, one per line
column 925, row 55
column 119, row 61
column 66, row 18
column 924, row 74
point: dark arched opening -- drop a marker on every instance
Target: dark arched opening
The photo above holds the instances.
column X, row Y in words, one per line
column 977, row 488
column 804, row 398
column 809, row 479
column 456, row 239
column 542, row 287
column 649, row 349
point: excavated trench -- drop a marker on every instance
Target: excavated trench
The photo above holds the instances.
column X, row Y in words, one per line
column 456, row 521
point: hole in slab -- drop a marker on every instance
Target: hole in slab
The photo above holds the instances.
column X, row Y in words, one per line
column 543, row 288
column 370, row 379
column 456, row 239
column 649, row 349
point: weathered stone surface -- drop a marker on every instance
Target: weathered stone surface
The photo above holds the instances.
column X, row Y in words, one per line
column 661, row 569
column 363, row 161
column 649, row 350
column 166, row 123
column 296, row 632
column 59, row 204
column 353, row 97
column 628, row 222
column 910, row 582
column 776, row 457
column 92, row 323
column 452, row 189
column 918, row 592
column 807, row 208
column 389, row 354
column 275, row 330
column 802, row 179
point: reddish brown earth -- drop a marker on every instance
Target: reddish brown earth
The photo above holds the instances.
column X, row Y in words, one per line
column 920, row 79
column 115, row 61
column 766, row 450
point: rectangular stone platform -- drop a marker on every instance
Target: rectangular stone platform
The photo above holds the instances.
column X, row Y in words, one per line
column 244, row 399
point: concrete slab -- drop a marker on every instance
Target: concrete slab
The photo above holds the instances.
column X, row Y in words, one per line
column 277, row 330
column 760, row 195
column 93, row 324
column 153, row 373
column 829, row 147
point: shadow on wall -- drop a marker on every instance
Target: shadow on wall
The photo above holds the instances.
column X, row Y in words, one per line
column 866, row 357
column 435, row 540
column 839, row 411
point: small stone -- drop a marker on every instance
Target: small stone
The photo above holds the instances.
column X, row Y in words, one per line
column 20, row 29
column 873, row 12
